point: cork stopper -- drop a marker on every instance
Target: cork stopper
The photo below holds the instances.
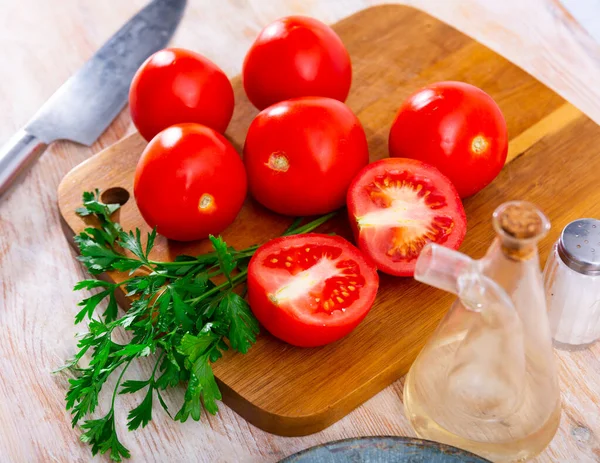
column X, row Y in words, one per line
column 521, row 221
column 520, row 225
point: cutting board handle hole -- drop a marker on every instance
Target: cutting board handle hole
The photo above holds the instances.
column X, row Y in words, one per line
column 115, row 195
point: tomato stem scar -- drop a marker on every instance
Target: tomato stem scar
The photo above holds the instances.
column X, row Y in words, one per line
column 278, row 162
column 207, row 202
column 479, row 144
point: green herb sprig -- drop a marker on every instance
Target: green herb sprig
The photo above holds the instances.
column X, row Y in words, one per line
column 178, row 315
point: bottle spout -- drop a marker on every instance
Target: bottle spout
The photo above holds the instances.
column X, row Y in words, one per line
column 443, row 268
column 458, row 274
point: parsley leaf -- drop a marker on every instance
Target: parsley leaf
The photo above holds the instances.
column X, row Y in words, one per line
column 142, row 414
column 193, row 347
column 202, row 370
column 243, row 327
column 131, row 386
column 191, row 402
column 202, row 385
column 133, row 242
column 226, row 260
column 89, row 305
column 102, row 436
column 182, row 311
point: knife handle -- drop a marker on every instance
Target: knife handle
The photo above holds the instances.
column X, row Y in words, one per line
column 16, row 155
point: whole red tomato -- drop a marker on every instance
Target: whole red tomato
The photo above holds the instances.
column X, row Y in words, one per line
column 189, row 182
column 311, row 289
column 175, row 86
column 302, row 154
column 455, row 127
column 296, row 56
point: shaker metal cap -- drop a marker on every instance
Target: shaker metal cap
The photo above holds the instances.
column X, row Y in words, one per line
column 579, row 246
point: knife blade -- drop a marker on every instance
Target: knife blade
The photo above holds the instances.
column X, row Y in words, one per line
column 88, row 102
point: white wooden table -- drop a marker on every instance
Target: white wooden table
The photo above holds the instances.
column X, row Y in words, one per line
column 43, row 42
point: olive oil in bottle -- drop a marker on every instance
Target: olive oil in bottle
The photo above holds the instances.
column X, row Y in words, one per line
column 486, row 381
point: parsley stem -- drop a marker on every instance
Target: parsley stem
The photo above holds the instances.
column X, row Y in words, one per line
column 208, row 258
column 112, row 407
column 211, row 257
column 234, row 281
column 162, row 353
column 124, row 282
column 310, row 226
column 295, row 224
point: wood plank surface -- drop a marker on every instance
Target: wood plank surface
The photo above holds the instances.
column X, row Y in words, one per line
column 37, row 269
column 395, row 50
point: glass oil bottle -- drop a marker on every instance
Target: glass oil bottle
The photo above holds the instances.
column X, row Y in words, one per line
column 486, row 381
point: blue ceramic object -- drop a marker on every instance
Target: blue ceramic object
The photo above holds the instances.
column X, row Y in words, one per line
column 384, row 450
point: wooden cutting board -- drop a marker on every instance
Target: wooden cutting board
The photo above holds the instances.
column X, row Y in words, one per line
column 395, row 50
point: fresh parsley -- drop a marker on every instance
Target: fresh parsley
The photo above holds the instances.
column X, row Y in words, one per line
column 179, row 316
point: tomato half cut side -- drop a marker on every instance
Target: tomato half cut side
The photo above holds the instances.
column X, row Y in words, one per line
column 310, row 290
column 396, row 206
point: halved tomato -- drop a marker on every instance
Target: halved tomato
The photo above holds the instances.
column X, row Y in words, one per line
column 312, row 289
column 397, row 206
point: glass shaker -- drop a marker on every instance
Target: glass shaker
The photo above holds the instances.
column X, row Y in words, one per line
column 572, row 282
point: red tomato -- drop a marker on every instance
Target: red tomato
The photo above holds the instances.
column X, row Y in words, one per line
column 296, row 56
column 455, row 127
column 302, row 154
column 310, row 290
column 175, row 86
column 397, row 206
column 189, row 182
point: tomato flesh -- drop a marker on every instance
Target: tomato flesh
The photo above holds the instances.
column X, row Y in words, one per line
column 310, row 290
column 397, row 206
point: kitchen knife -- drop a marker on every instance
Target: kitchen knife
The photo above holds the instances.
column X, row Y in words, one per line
column 87, row 103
